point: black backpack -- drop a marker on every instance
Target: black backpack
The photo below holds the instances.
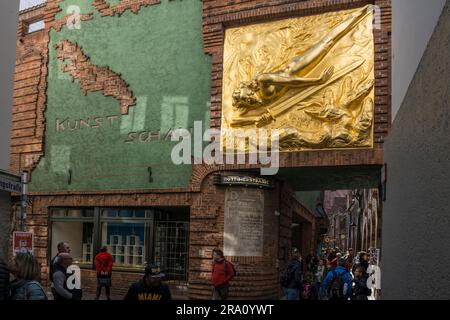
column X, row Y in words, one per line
column 232, row 266
column 336, row 288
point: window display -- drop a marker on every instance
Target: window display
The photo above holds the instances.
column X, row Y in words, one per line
column 133, row 237
column 79, row 235
column 124, row 233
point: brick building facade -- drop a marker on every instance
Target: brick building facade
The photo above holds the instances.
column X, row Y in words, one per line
column 202, row 201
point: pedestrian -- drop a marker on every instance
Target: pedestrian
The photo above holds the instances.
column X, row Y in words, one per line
column 59, row 288
column 360, row 289
column 320, row 276
column 222, row 273
column 103, row 266
column 4, row 281
column 291, row 278
column 150, row 287
column 312, row 262
column 349, row 257
column 62, row 247
column 335, row 261
column 363, row 261
column 308, row 290
column 331, row 255
column 25, row 286
column 338, row 283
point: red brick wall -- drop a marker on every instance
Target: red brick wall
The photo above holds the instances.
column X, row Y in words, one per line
column 257, row 276
column 29, row 93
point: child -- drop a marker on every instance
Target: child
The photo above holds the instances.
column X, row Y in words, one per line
column 308, row 289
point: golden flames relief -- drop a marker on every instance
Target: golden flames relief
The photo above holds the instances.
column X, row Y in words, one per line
column 311, row 78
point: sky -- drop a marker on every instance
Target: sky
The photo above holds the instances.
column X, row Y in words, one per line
column 24, row 4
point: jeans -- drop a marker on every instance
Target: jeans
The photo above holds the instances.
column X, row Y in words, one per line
column 220, row 293
column 291, row 294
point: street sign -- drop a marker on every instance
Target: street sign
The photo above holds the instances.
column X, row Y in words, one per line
column 23, row 242
column 10, row 185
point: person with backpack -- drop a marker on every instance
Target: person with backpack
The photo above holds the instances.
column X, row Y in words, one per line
column 223, row 272
column 103, row 266
column 338, row 282
column 291, row 278
column 25, row 269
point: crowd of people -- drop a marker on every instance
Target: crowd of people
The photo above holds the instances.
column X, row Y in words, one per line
column 328, row 276
column 20, row 278
column 331, row 275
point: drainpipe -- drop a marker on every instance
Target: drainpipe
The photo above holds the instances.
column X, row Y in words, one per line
column 23, row 201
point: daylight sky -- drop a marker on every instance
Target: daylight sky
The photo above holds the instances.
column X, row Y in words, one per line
column 29, row 3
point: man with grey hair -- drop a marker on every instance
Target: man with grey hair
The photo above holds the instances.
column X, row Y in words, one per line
column 62, row 247
column 59, row 289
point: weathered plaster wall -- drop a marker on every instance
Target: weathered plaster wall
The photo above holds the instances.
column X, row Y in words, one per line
column 413, row 22
column 416, row 215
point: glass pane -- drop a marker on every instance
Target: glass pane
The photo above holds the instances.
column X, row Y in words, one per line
column 79, row 235
column 36, row 26
column 110, row 213
column 125, row 242
column 126, row 213
column 171, row 253
column 89, row 213
column 139, row 213
column 58, row 212
column 74, row 213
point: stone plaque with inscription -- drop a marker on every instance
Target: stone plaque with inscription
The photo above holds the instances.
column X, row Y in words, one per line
column 244, row 222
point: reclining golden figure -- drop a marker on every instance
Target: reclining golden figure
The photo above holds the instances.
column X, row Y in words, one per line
column 268, row 87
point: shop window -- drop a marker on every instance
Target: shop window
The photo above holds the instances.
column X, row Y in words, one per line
column 79, row 235
column 126, row 213
column 72, row 213
column 75, row 226
column 126, row 242
column 171, row 248
column 133, row 237
column 110, row 213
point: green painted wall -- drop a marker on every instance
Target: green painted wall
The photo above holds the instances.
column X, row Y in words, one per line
column 159, row 53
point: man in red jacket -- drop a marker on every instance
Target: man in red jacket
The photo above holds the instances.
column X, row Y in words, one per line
column 103, row 266
column 222, row 273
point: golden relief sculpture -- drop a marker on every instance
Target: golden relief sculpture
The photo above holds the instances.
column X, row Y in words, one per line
column 311, row 78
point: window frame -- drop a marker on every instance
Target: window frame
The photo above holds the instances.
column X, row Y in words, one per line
column 149, row 229
column 52, row 219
